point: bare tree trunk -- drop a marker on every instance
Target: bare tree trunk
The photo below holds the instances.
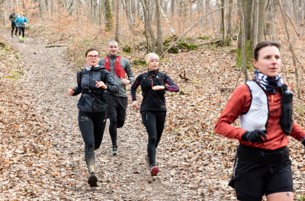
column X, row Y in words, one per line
column 50, row 6
column 159, row 49
column 211, row 20
column 229, row 19
column 100, row 13
column 130, row 18
column 173, row 7
column 291, row 49
column 301, row 10
column 295, row 6
column 222, row 22
column 94, row 11
column 201, row 8
column 243, row 41
column 148, row 27
column 117, row 20
column 246, row 7
column 188, row 9
column 4, row 14
column 167, row 21
column 69, row 5
column 270, row 19
column 180, row 14
column 109, row 23
column 150, row 9
column 271, row 23
column 112, row 3
column 255, row 22
column 42, row 8
column 226, row 10
column 261, row 20
column 134, row 10
column 164, row 5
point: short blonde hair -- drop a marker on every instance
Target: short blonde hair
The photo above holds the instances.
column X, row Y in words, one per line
column 150, row 56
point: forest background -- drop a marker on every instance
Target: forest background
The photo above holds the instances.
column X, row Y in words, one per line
column 206, row 48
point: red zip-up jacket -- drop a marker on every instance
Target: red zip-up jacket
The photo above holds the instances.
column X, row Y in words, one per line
column 239, row 103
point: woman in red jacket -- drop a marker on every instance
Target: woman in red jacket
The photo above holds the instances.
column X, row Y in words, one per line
column 264, row 106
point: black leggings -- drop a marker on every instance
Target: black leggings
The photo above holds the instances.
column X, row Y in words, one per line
column 14, row 28
column 116, row 112
column 21, row 31
column 154, row 123
column 92, row 126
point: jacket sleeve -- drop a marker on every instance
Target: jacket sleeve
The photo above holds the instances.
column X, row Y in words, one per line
column 297, row 133
column 109, row 81
column 77, row 89
column 238, row 103
column 170, row 85
column 101, row 63
column 133, row 88
column 128, row 71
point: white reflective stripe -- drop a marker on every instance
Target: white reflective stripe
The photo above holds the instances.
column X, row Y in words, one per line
column 235, row 166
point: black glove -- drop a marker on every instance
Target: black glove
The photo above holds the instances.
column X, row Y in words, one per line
column 303, row 141
column 254, row 136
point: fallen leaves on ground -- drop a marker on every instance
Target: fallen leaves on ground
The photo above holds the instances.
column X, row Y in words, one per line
column 42, row 151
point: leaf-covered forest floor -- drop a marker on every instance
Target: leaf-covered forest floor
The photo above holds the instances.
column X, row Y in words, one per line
column 42, row 153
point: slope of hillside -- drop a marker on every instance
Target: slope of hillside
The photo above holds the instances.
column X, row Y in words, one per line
column 42, row 151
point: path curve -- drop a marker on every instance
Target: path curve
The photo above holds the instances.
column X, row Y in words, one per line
column 56, row 171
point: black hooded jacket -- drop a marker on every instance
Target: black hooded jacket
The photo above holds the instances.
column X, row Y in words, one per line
column 92, row 99
column 153, row 100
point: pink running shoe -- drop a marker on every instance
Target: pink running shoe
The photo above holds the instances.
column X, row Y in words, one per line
column 154, row 170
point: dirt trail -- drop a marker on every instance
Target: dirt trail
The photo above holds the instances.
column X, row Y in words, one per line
column 41, row 150
column 56, row 169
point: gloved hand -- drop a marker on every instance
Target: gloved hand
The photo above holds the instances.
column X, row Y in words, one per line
column 254, row 136
column 303, row 141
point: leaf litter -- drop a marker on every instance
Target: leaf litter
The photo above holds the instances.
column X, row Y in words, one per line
column 42, row 155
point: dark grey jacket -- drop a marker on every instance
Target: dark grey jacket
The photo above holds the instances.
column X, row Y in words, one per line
column 92, row 99
column 126, row 66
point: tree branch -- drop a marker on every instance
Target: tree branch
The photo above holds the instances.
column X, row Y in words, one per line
column 291, row 49
column 193, row 27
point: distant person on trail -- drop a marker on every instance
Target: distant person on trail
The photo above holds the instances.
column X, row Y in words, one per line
column 264, row 107
column 12, row 18
column 21, row 22
column 117, row 102
column 92, row 82
column 153, row 84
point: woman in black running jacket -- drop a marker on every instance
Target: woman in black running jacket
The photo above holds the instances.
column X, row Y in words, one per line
column 92, row 81
column 153, row 85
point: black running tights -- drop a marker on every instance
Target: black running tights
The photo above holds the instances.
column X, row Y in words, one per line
column 92, row 126
column 154, row 123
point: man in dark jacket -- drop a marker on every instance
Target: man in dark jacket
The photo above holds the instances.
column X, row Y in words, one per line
column 12, row 18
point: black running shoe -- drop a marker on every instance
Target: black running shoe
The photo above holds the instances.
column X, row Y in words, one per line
column 114, row 150
column 92, row 181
